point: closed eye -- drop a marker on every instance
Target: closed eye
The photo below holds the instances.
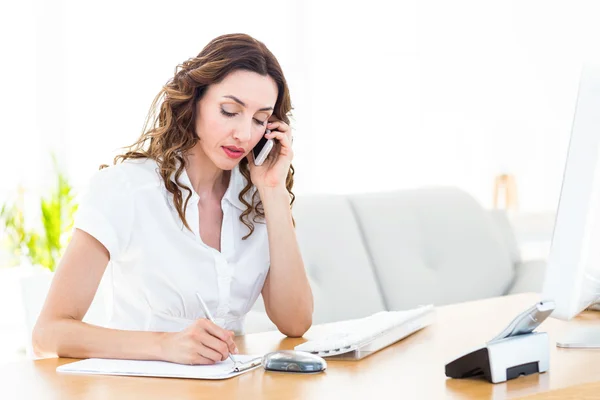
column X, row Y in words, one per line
column 231, row 115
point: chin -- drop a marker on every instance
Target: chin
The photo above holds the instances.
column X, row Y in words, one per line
column 226, row 164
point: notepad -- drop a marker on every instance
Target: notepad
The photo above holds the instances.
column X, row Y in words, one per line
column 221, row 370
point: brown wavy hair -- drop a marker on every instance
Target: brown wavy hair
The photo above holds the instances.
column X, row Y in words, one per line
column 170, row 133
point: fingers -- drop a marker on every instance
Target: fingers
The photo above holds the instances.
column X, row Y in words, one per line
column 218, row 339
column 232, row 346
column 216, row 330
column 201, row 360
column 283, row 138
column 279, row 125
column 214, row 348
column 205, row 350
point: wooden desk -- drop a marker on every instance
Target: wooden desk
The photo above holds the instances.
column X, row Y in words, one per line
column 587, row 391
column 410, row 369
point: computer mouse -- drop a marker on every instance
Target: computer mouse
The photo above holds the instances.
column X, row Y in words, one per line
column 293, row 361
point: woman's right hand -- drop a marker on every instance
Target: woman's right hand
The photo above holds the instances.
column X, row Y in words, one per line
column 203, row 342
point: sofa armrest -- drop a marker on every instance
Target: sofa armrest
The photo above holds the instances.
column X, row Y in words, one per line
column 529, row 277
column 507, row 233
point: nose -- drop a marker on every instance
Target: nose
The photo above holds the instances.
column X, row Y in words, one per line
column 243, row 132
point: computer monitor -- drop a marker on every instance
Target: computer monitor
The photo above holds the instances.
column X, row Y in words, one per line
column 573, row 272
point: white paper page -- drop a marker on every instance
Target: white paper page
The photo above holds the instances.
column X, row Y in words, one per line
column 221, row 370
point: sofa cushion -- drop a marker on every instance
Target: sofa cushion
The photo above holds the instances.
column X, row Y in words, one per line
column 432, row 245
column 529, row 277
column 338, row 266
column 505, row 227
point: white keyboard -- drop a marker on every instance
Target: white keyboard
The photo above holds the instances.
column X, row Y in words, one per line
column 364, row 336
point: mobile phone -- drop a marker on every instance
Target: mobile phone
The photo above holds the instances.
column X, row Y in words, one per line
column 262, row 149
column 527, row 321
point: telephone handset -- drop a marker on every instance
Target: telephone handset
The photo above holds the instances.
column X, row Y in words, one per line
column 262, row 149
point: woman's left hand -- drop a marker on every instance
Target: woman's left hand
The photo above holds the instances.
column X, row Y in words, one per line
column 273, row 172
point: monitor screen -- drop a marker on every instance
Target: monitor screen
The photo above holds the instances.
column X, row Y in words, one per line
column 573, row 273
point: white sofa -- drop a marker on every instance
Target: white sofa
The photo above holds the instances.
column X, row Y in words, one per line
column 398, row 250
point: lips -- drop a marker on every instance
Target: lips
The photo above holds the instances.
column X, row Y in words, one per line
column 234, row 149
column 233, row 152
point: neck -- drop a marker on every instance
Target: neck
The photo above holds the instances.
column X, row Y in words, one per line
column 207, row 180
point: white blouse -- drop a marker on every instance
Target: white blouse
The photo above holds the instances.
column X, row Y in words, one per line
column 157, row 266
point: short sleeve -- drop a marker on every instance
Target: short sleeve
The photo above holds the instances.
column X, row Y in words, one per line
column 106, row 210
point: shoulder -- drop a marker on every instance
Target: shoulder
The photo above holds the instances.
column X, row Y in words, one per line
column 130, row 175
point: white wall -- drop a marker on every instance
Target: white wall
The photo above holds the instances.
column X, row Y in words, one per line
column 436, row 92
column 18, row 99
column 421, row 93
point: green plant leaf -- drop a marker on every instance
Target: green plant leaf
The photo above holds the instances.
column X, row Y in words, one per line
column 58, row 209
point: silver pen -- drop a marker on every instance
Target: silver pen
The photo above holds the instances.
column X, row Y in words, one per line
column 209, row 316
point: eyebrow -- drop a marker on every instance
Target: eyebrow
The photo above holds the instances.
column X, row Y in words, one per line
column 244, row 104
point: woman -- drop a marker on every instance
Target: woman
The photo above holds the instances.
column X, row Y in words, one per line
column 184, row 216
